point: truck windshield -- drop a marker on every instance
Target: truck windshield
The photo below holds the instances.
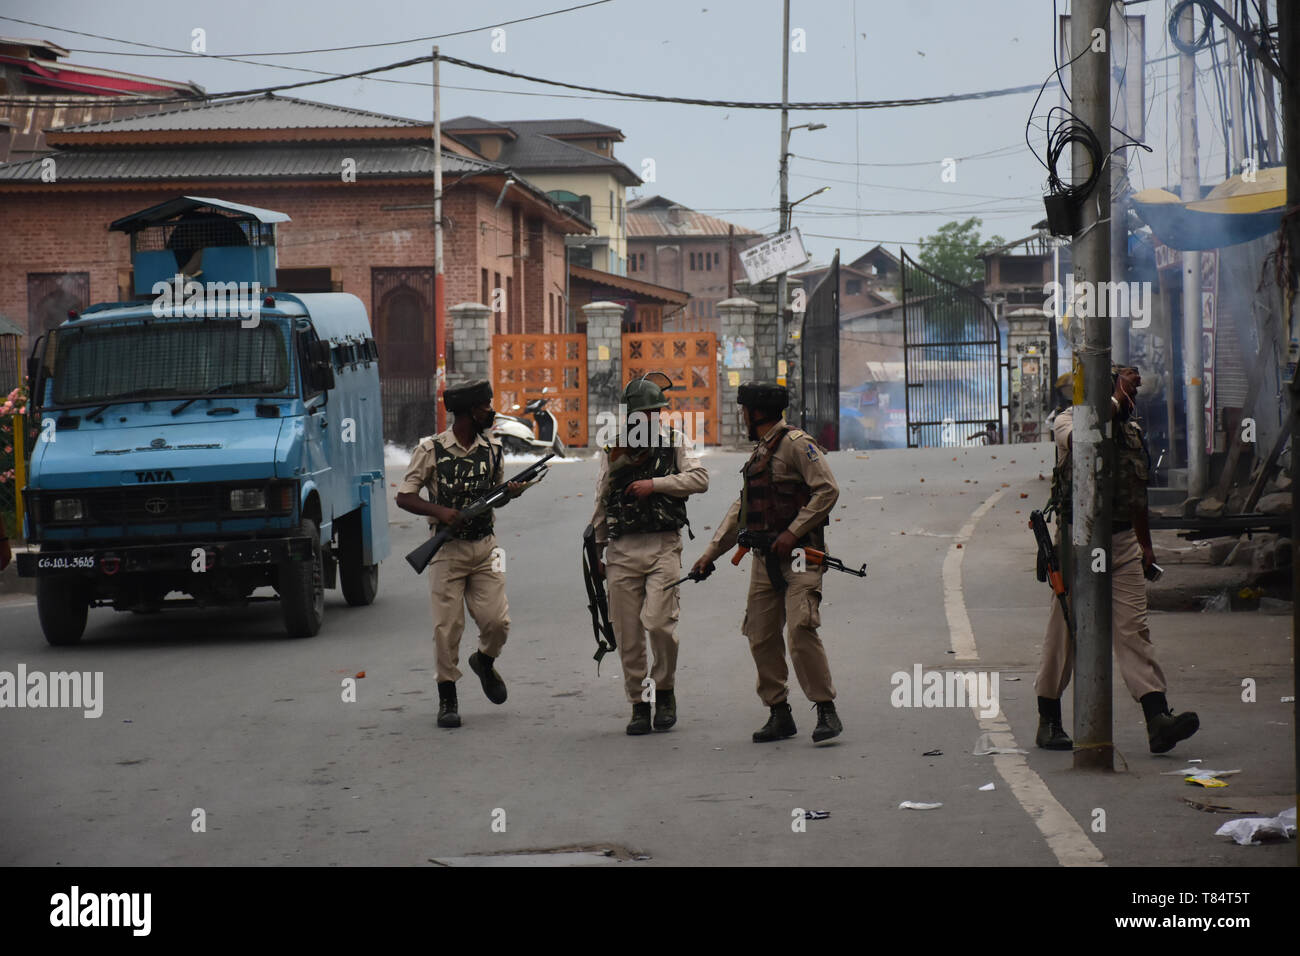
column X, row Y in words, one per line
column 168, row 359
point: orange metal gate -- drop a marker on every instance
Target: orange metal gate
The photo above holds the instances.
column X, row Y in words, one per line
column 690, row 359
column 524, row 365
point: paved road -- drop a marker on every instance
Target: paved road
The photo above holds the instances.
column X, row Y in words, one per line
column 218, row 711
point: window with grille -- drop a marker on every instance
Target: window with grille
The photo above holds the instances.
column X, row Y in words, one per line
column 169, row 359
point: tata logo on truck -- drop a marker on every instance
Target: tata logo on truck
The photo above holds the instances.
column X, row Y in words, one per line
column 144, row 477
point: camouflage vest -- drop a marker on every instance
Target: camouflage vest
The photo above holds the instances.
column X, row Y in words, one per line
column 767, row 504
column 627, row 514
column 1131, row 475
column 462, row 480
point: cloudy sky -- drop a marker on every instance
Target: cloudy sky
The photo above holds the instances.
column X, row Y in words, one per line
column 884, row 166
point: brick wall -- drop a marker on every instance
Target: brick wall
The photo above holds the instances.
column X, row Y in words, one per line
column 341, row 226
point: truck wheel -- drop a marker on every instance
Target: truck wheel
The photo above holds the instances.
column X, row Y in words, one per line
column 302, row 588
column 61, row 604
column 360, row 582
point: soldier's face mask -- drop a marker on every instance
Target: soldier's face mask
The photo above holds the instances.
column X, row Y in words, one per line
column 753, row 417
column 482, row 416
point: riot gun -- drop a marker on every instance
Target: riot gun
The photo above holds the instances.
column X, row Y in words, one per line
column 419, row 558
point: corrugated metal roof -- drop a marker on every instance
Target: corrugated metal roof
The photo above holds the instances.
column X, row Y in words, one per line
column 238, row 162
column 531, row 152
column 472, row 122
column 255, row 112
column 535, row 149
column 654, row 217
column 562, row 127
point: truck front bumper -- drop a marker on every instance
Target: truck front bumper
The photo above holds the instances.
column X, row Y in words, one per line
column 158, row 558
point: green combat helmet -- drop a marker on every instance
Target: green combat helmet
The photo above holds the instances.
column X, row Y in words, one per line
column 646, row 393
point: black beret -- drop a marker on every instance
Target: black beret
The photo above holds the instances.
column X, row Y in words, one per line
column 764, row 395
column 462, row 398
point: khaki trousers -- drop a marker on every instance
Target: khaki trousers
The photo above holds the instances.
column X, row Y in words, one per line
column 1130, row 634
column 767, row 612
column 461, row 576
column 637, row 566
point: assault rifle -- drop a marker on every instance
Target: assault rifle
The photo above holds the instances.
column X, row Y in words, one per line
column 762, row 541
column 419, row 558
column 1049, row 565
column 598, row 602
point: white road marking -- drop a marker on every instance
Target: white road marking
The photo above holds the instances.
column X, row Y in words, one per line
column 1064, row 836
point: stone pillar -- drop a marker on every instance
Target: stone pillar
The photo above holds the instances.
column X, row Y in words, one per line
column 471, row 330
column 604, row 363
column 742, row 359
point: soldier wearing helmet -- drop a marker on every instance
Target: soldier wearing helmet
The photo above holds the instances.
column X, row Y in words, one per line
column 788, row 492
column 641, row 491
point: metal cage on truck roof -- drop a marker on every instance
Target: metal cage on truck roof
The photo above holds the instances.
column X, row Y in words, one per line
column 211, row 240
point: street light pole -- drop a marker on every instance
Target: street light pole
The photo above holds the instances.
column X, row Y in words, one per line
column 785, row 186
column 1190, row 187
column 439, row 324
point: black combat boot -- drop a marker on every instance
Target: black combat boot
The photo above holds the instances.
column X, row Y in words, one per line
column 1051, row 735
column 1164, row 727
column 779, row 725
column 640, row 723
column 448, row 716
column 493, row 685
column 828, row 722
column 665, row 710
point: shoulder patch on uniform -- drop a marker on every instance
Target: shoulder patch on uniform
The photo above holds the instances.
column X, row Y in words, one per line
column 812, row 451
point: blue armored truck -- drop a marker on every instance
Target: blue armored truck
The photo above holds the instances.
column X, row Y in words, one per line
column 209, row 437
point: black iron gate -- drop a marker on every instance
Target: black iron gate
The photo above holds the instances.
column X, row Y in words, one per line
column 820, row 360
column 952, row 360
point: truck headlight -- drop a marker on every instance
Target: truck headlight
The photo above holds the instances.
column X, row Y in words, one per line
column 67, row 509
column 248, row 499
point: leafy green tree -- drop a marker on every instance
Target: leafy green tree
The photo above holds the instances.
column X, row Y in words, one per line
column 951, row 252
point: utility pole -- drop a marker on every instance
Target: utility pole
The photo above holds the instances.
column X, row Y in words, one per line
column 1288, row 21
column 1119, row 324
column 1093, row 453
column 439, row 323
column 1193, row 353
column 1269, row 151
column 785, row 185
column 1237, row 135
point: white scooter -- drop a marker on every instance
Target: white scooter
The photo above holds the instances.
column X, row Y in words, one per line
column 518, row 436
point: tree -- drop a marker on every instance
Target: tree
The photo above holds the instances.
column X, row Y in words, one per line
column 951, row 252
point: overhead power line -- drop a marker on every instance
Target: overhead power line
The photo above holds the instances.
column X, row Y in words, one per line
column 172, row 52
column 646, row 97
column 749, row 105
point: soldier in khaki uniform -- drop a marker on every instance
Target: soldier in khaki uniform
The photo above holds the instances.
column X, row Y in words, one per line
column 458, row 466
column 641, row 492
column 1131, row 555
column 789, row 492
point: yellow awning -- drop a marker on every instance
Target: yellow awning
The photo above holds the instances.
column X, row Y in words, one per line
column 1234, row 211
